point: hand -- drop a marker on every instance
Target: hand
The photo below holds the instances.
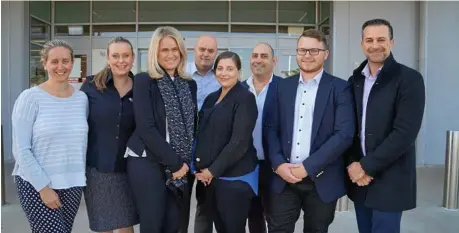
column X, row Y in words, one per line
column 366, row 180
column 355, row 171
column 299, row 172
column 205, row 176
column 285, row 172
column 50, row 198
column 180, row 173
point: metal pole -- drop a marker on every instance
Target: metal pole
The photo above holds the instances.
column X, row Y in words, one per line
column 451, row 187
column 343, row 204
column 3, row 171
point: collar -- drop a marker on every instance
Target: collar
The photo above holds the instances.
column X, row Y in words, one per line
column 193, row 69
column 110, row 76
column 366, row 71
column 316, row 78
column 250, row 81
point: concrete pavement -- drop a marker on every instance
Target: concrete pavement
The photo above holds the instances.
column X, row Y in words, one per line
column 428, row 217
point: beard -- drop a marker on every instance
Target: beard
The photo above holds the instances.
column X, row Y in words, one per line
column 311, row 68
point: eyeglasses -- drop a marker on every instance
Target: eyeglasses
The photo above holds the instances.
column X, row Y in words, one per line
column 312, row 52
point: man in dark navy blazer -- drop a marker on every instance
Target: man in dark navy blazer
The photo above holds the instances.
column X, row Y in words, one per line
column 309, row 127
column 262, row 84
column 389, row 99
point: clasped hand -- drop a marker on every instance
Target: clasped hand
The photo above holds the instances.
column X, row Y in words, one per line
column 180, row 173
column 204, row 176
column 358, row 175
column 292, row 173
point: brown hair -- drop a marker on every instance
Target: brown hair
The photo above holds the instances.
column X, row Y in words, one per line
column 316, row 34
column 51, row 45
column 101, row 78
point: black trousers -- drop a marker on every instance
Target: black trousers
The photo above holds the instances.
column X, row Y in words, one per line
column 259, row 208
column 159, row 210
column 287, row 205
column 203, row 220
column 228, row 203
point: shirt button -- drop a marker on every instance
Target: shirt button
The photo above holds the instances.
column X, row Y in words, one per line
column 301, row 117
column 288, row 159
column 304, row 91
column 303, row 103
column 298, row 143
column 119, row 126
column 116, row 137
column 198, row 160
column 297, row 157
column 300, row 130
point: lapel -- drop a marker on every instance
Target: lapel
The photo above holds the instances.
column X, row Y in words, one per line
column 323, row 93
column 389, row 68
column 210, row 105
column 291, row 86
column 270, row 95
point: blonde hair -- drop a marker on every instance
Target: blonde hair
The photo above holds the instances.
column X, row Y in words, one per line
column 101, row 78
column 51, row 45
column 154, row 69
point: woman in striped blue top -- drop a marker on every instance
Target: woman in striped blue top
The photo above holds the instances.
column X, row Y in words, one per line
column 50, row 134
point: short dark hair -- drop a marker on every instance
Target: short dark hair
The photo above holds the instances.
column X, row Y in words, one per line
column 228, row 54
column 379, row 22
column 316, row 34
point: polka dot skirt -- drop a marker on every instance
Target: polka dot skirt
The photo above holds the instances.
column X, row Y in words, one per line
column 43, row 219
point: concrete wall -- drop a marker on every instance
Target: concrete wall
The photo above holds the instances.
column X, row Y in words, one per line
column 439, row 62
column 15, row 59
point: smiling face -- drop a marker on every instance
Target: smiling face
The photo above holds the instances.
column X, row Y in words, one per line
column 376, row 43
column 311, row 54
column 120, row 58
column 262, row 60
column 59, row 64
column 205, row 52
column 227, row 73
column 168, row 54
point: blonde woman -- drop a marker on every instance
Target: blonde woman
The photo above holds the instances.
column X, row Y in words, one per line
column 159, row 151
column 50, row 134
column 107, row 195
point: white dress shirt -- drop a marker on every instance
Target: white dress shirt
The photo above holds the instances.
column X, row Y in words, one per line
column 304, row 112
column 257, row 132
column 369, row 82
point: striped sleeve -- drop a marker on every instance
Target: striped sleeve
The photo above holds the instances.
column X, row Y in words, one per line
column 24, row 114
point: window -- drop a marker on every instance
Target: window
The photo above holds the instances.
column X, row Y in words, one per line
column 253, row 11
column 297, row 12
column 71, row 30
column 116, row 11
column 37, row 72
column 114, row 30
column 39, row 31
column 72, row 12
column 146, row 30
column 287, row 63
column 41, row 10
column 183, row 11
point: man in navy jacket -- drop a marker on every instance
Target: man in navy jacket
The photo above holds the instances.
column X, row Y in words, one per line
column 389, row 100
column 309, row 127
column 262, row 84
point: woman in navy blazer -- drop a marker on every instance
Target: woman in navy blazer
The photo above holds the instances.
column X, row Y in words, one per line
column 160, row 148
column 225, row 158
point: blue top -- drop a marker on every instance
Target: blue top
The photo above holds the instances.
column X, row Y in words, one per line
column 111, row 124
column 49, row 139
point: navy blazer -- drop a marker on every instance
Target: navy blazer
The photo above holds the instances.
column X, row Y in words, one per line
column 150, row 119
column 270, row 97
column 333, row 128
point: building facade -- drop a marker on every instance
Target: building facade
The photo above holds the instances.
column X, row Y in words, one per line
column 425, row 34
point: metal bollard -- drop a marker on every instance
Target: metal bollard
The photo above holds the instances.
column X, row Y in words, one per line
column 451, row 185
column 2, row 169
column 343, row 204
